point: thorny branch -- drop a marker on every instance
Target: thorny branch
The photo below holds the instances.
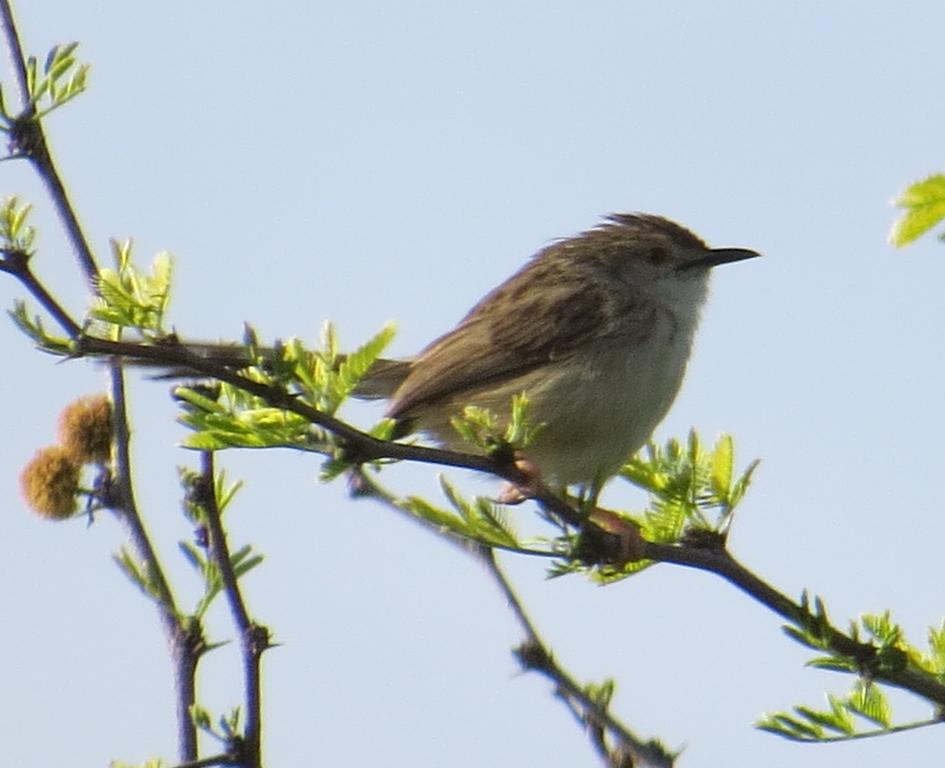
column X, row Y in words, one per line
column 28, row 140
column 254, row 638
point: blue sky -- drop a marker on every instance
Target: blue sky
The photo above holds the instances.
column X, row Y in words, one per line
column 368, row 162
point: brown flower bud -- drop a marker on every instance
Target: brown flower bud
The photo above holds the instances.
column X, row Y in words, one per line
column 85, row 429
column 50, row 482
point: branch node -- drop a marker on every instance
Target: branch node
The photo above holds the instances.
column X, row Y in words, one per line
column 533, row 656
column 26, row 138
column 15, row 261
column 258, row 639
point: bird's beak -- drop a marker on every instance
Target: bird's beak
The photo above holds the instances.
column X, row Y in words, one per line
column 716, row 256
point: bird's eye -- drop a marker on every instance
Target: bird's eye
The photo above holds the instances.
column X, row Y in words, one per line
column 657, row 255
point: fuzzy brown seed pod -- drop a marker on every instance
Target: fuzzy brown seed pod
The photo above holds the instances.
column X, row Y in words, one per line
column 50, row 481
column 85, row 429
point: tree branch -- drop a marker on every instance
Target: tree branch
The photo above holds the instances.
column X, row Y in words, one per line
column 362, row 446
column 254, row 638
column 16, row 263
column 185, row 640
column 534, row 655
column 588, row 712
column 29, row 140
column 718, row 560
column 367, row 448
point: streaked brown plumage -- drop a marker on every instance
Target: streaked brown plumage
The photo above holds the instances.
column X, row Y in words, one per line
column 596, row 329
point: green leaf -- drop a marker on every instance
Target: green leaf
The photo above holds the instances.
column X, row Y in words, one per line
column 201, row 718
column 136, row 573
column 230, row 723
column 485, row 521
column 480, row 520
column 924, row 205
column 882, row 627
column 359, row 362
column 33, row 327
column 934, row 660
column 247, row 565
column 384, row 429
column 601, row 693
column 834, row 664
column 237, row 419
column 790, row 727
column 62, row 79
column 741, row 485
column 691, row 489
column 193, row 555
column 129, row 298
column 224, row 492
column 199, row 401
column 802, row 636
column 330, row 342
column 838, row 719
column 243, row 560
column 207, row 441
column 15, row 233
column 723, row 459
column 868, row 700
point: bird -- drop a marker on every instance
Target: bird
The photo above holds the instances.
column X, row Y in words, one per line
column 596, row 330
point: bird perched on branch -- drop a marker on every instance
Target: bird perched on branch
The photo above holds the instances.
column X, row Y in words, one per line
column 595, row 329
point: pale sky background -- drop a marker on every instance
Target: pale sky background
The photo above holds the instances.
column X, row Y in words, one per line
column 368, row 162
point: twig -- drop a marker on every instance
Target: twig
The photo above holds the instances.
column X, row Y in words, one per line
column 719, row 561
column 29, row 139
column 588, row 712
column 254, row 638
column 185, row 642
column 534, row 655
column 16, row 263
column 864, row 735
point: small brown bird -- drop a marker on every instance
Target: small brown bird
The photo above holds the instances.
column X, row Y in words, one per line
column 596, row 330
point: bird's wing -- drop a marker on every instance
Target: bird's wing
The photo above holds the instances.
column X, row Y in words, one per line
column 509, row 333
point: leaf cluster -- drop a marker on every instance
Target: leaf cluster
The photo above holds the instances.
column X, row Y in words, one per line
column 865, row 704
column 60, row 79
column 691, row 487
column 693, row 494
column 923, row 203
column 480, row 521
column 16, row 234
column 227, row 727
column 226, row 416
column 485, row 430
column 34, row 327
column 864, row 711
column 129, row 298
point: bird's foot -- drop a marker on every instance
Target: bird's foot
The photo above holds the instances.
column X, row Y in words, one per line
column 630, row 544
column 516, row 493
